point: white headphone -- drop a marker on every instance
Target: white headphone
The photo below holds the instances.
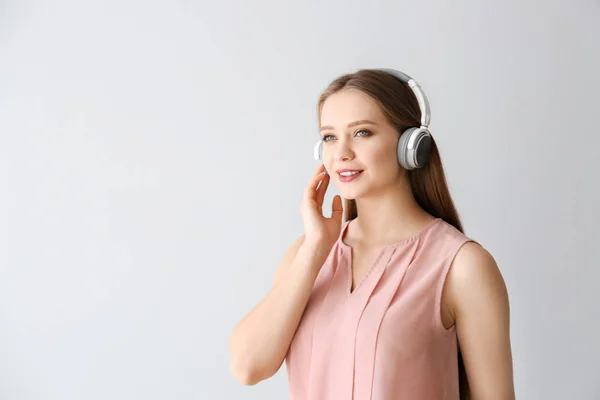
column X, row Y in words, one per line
column 414, row 144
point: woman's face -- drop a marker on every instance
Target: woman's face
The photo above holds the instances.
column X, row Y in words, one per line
column 357, row 136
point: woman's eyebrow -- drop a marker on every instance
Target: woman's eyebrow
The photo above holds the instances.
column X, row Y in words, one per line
column 351, row 124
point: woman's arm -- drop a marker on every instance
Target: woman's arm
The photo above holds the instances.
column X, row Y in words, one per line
column 260, row 341
column 477, row 297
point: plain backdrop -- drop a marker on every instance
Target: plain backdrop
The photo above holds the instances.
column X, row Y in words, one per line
column 153, row 156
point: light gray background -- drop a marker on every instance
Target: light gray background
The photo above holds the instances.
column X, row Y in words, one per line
column 153, row 157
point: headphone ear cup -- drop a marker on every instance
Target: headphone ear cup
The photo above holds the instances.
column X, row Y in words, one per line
column 414, row 148
column 318, row 150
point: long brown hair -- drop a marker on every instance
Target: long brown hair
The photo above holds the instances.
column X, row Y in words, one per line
column 428, row 184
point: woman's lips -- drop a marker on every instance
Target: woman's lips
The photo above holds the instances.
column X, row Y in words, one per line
column 351, row 177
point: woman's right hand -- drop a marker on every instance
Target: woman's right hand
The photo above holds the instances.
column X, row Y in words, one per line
column 318, row 229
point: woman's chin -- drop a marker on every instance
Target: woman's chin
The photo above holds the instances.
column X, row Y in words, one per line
column 351, row 194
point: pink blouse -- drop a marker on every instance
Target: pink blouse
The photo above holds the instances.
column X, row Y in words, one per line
column 385, row 340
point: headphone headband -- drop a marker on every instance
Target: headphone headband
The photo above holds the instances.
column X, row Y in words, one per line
column 419, row 94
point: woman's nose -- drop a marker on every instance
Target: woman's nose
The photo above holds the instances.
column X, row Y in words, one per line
column 343, row 153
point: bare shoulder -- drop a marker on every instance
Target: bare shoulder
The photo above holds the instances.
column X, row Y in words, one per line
column 473, row 261
column 479, row 303
column 474, row 278
column 288, row 257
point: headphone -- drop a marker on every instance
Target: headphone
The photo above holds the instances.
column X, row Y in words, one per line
column 414, row 144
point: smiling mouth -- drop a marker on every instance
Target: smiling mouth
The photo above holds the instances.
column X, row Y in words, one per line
column 349, row 176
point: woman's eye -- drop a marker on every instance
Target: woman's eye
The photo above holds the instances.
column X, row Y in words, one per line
column 325, row 138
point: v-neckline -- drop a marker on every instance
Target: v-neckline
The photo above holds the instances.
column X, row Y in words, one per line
column 350, row 257
column 350, row 271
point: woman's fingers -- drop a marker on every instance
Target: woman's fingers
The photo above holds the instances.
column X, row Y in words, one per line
column 323, row 184
column 337, row 210
column 310, row 192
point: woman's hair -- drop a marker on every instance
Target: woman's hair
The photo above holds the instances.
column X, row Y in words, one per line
column 428, row 184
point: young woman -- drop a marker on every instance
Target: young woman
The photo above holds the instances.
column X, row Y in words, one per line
column 394, row 301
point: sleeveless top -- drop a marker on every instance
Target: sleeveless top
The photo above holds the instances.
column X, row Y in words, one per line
column 385, row 340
